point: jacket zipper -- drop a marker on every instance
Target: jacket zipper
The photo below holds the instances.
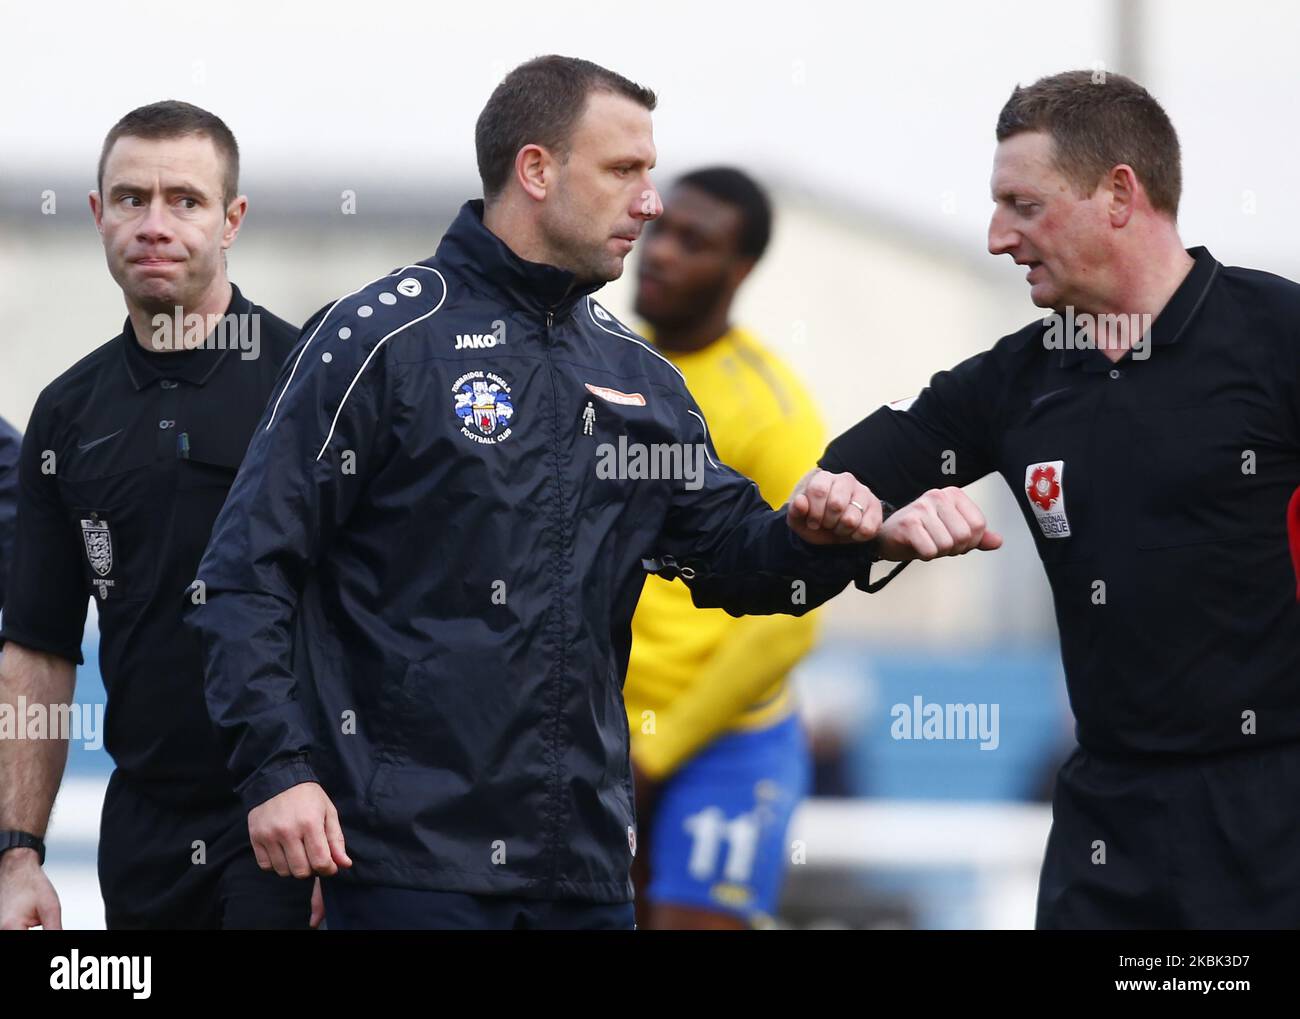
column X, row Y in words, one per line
column 561, row 666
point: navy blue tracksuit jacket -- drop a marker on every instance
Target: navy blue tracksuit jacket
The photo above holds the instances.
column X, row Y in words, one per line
column 420, row 589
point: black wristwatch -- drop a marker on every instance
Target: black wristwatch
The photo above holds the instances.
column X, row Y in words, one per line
column 22, row 840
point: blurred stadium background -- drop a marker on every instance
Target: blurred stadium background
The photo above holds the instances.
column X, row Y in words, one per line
column 873, row 128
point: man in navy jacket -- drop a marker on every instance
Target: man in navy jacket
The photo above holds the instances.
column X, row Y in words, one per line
column 416, row 603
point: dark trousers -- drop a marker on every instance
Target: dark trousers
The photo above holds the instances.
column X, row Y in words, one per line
column 350, row 905
column 1193, row 843
column 165, row 866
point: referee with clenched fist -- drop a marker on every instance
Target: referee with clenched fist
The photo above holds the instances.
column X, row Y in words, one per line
column 1150, row 429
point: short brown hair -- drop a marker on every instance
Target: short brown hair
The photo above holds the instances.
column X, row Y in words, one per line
column 539, row 103
column 172, row 118
column 1096, row 121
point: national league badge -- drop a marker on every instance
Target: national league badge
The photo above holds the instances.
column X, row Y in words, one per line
column 1045, row 487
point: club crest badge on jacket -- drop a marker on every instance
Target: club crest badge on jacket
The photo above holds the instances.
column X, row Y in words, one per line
column 484, row 406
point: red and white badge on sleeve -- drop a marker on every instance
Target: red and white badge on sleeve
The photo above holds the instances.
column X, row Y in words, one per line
column 1045, row 487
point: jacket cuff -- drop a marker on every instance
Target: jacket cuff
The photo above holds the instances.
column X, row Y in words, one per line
column 851, row 556
column 281, row 775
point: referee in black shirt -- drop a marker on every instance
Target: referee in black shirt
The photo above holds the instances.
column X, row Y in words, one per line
column 1150, row 428
column 125, row 464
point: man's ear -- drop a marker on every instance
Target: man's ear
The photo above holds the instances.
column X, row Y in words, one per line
column 534, row 171
column 235, row 213
column 1124, row 191
column 97, row 211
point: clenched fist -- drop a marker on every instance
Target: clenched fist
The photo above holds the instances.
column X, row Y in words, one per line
column 827, row 509
column 942, row 522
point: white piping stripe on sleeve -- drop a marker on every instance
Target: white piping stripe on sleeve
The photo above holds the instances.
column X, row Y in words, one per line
column 375, row 350
column 646, row 346
column 633, row 339
column 706, row 435
column 301, row 353
column 324, row 319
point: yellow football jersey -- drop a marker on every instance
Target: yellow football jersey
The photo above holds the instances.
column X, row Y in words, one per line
column 696, row 673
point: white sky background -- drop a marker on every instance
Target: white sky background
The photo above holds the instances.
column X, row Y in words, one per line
column 886, row 106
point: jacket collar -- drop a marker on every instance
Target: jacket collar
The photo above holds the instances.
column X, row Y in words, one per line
column 470, row 247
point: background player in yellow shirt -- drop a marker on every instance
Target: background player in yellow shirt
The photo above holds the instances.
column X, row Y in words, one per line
column 718, row 752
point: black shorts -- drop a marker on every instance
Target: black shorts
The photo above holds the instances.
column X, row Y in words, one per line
column 1193, row 843
column 169, row 867
column 350, row 905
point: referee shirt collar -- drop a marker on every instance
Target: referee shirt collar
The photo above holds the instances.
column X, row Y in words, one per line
column 1172, row 322
column 193, row 366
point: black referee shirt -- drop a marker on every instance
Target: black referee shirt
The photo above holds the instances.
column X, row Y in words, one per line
column 125, row 464
column 1156, row 490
